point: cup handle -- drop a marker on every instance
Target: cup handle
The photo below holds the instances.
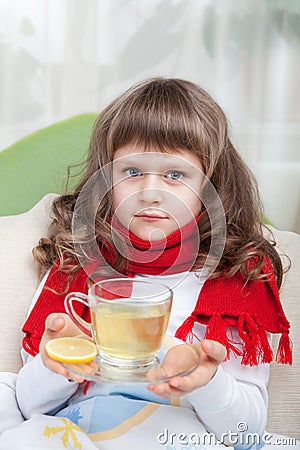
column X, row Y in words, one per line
column 81, row 323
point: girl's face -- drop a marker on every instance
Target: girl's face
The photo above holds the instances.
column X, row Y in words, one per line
column 155, row 193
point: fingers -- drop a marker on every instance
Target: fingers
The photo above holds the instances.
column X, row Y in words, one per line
column 214, row 350
column 60, row 325
column 211, row 354
column 58, row 368
column 55, row 322
column 178, row 386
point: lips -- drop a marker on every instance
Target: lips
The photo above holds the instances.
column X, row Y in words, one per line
column 150, row 216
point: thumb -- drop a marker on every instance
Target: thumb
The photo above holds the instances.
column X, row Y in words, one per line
column 214, row 350
column 55, row 322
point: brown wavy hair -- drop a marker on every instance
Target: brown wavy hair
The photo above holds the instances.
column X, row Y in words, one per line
column 167, row 115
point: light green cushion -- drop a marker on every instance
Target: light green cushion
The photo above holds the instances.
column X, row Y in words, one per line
column 37, row 164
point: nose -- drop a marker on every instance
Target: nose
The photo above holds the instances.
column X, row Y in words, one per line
column 150, row 190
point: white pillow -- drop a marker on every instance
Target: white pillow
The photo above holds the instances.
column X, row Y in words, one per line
column 18, row 276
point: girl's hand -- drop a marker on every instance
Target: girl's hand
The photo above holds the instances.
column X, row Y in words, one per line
column 58, row 325
column 211, row 353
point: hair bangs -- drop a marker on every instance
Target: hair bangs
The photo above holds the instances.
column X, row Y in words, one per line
column 163, row 121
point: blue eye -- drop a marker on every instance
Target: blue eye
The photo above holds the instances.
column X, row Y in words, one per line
column 133, row 172
column 174, row 175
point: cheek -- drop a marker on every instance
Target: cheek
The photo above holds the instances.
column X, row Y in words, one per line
column 196, row 205
column 123, row 199
column 119, row 199
column 184, row 203
column 192, row 199
column 116, row 197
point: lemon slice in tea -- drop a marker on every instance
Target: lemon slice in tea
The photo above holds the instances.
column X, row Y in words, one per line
column 71, row 350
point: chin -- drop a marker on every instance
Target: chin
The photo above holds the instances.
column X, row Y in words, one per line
column 154, row 234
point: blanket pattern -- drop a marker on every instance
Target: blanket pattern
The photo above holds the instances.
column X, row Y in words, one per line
column 107, row 417
column 148, row 426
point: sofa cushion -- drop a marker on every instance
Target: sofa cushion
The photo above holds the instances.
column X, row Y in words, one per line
column 18, row 276
column 19, row 280
column 284, row 385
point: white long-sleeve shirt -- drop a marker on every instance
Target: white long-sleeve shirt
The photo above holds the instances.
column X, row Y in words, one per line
column 236, row 393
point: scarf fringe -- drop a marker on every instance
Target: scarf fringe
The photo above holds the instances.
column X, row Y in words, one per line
column 216, row 330
column 284, row 352
column 184, row 332
column 86, row 387
column 256, row 345
column 266, row 352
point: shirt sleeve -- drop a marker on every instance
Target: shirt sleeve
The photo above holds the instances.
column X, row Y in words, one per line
column 51, row 391
column 235, row 402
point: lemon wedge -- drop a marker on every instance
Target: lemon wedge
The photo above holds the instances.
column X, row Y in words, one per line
column 71, row 350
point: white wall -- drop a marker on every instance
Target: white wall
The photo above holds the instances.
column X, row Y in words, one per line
column 63, row 57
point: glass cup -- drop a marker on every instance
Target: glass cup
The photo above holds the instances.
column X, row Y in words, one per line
column 129, row 319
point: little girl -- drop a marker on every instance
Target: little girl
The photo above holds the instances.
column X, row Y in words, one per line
column 164, row 195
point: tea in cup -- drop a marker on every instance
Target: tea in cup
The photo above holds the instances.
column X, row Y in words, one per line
column 129, row 318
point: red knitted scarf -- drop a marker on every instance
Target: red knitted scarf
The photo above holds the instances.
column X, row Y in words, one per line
column 253, row 308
